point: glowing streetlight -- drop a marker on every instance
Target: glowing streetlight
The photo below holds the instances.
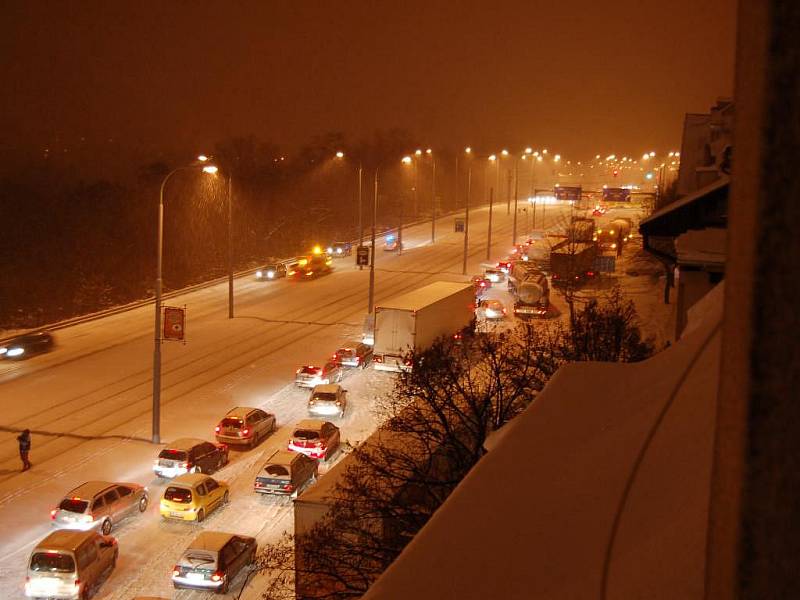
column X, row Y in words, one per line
column 210, row 169
column 492, row 157
column 406, row 160
column 467, row 150
column 340, row 154
column 557, row 158
column 428, row 151
column 504, row 152
column 528, row 150
column 544, row 151
column 652, row 153
column 418, row 152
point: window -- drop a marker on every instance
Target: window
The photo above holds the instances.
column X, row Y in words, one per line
column 254, row 417
column 124, row 491
column 173, row 454
column 228, row 555
column 51, row 562
column 178, row 494
column 276, row 470
column 207, row 448
column 110, row 496
column 97, row 504
column 211, row 485
column 233, row 422
column 73, row 505
column 201, row 489
column 239, row 545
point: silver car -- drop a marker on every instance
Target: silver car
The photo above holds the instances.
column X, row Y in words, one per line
column 99, row 505
column 327, row 401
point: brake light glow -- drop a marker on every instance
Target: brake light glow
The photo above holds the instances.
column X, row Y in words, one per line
column 77, row 583
column 53, row 514
column 184, row 465
column 217, row 576
column 176, row 571
column 378, row 358
column 216, row 429
column 245, row 432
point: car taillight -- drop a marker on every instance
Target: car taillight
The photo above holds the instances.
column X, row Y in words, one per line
column 288, row 487
column 77, row 583
column 245, row 432
column 378, row 358
column 176, row 571
column 590, row 273
column 53, row 514
column 358, row 359
column 184, row 465
column 217, row 576
column 216, row 429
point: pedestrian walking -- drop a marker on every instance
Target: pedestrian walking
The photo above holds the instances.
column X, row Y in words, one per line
column 24, row 440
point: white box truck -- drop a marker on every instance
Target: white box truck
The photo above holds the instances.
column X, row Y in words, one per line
column 413, row 321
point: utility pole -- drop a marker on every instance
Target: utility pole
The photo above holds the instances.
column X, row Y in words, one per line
column 455, row 204
column 433, row 204
column 400, row 227
column 466, row 220
column 516, row 197
column 489, row 239
column 230, row 246
column 360, row 227
column 508, row 190
column 372, row 258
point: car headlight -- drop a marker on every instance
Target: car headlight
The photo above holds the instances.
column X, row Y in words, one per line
column 330, row 250
column 259, row 274
column 18, row 351
column 338, row 251
column 270, row 274
column 3, row 350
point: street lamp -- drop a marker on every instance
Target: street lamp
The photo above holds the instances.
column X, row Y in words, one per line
column 468, row 152
column 492, row 158
column 429, row 152
column 205, row 168
column 340, row 156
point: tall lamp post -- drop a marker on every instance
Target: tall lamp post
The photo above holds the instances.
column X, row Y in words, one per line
column 230, row 241
column 206, row 168
column 371, row 299
column 360, row 171
column 503, row 154
column 429, row 152
column 495, row 159
column 468, row 152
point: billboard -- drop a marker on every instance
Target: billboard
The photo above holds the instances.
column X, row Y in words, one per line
column 567, row 193
column 362, row 256
column 616, row 195
column 174, row 324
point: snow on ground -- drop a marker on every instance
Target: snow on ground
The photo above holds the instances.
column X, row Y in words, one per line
column 88, row 402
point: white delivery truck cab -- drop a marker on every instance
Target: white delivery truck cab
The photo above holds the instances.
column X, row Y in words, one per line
column 413, row 321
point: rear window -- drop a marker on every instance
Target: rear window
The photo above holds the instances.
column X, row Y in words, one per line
column 231, row 422
column 73, row 505
column 346, row 352
column 306, row 434
column 324, row 397
column 310, row 370
column 199, row 560
column 52, row 562
column 173, row 454
column 277, row 470
column 176, row 494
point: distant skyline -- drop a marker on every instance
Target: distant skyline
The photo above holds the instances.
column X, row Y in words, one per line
column 160, row 78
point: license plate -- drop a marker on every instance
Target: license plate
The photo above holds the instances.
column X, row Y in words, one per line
column 191, row 575
column 175, row 514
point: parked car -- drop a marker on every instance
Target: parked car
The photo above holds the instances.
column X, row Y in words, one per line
column 481, row 284
column 99, row 505
column 308, row 375
column 70, row 564
column 213, row 560
column 190, row 455
column 353, row 354
column 340, row 249
column 505, row 265
column 493, row 309
column 271, row 271
column 244, row 426
column 285, row 473
column 192, row 497
column 315, row 438
column 327, row 400
column 28, row 344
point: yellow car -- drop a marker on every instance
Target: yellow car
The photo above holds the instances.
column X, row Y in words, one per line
column 191, row 497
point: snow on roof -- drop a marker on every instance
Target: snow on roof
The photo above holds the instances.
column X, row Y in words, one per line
column 688, row 199
column 210, row 540
column 702, row 246
column 601, row 484
column 425, row 296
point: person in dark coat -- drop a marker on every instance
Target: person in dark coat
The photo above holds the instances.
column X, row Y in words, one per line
column 24, row 440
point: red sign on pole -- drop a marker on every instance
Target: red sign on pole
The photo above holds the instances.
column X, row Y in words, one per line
column 174, row 323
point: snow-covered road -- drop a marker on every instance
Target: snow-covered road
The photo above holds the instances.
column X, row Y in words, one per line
column 88, row 402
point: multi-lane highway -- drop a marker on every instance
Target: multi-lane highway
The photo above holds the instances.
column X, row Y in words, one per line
column 88, row 401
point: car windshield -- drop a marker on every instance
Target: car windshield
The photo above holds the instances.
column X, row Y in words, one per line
column 324, row 397
column 73, row 505
column 277, row 470
column 346, row 352
column 232, row 422
column 172, row 454
column 270, row 268
column 178, row 494
column 306, row 434
column 52, row 562
column 310, row 370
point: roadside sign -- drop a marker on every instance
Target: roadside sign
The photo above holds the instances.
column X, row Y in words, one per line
column 174, row 324
column 459, row 225
column 567, row 193
column 616, row 195
column 362, row 256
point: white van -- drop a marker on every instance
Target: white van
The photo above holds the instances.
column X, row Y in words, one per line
column 70, row 564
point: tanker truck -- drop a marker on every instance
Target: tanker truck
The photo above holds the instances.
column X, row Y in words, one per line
column 530, row 289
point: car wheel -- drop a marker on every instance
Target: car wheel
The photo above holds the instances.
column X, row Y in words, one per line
column 106, row 528
column 201, row 515
column 143, row 504
column 224, row 587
